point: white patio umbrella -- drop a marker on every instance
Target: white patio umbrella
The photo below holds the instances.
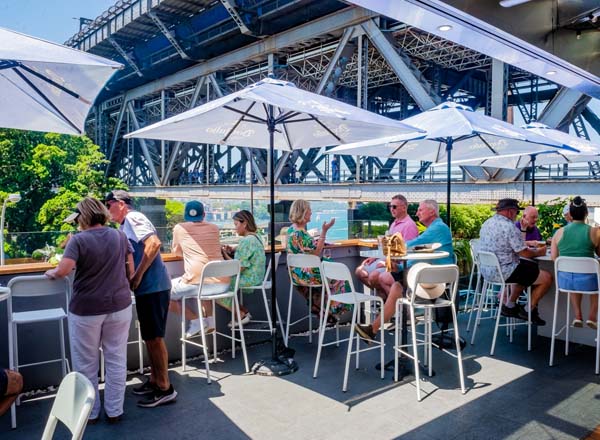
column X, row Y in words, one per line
column 46, row 86
column 454, row 132
column 273, row 114
column 586, row 152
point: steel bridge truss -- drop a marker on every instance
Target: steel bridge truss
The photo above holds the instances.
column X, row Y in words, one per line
column 402, row 70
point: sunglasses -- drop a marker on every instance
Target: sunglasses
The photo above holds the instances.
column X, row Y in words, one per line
column 394, row 206
column 110, row 203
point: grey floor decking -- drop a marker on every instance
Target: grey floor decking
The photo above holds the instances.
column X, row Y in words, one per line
column 511, row 395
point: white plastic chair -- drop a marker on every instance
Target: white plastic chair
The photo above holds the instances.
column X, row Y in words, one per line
column 579, row 265
column 29, row 287
column 474, row 276
column 138, row 341
column 340, row 272
column 433, row 274
column 215, row 269
column 304, row 262
column 263, row 287
column 496, row 279
column 72, row 406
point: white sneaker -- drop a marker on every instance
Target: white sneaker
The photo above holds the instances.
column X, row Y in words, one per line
column 193, row 328
column 245, row 320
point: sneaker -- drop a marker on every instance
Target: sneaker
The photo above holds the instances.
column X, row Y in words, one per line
column 365, row 332
column 577, row 323
column 114, row 420
column 535, row 318
column 591, row 324
column 512, row 312
column 245, row 320
column 159, row 397
column 144, row 389
column 194, row 328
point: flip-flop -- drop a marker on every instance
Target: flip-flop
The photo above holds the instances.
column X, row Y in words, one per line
column 591, row 324
column 577, row 323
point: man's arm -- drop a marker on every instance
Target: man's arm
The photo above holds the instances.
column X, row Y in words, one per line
column 151, row 249
column 531, row 253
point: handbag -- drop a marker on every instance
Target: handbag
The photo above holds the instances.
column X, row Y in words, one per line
column 393, row 246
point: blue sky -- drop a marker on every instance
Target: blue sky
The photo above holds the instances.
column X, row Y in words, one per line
column 55, row 20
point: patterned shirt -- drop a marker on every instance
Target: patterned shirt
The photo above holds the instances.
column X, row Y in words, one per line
column 499, row 236
column 251, row 254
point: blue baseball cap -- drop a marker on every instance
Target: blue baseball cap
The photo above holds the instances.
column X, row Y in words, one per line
column 194, row 211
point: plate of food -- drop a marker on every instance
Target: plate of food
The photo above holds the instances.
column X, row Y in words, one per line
column 425, row 248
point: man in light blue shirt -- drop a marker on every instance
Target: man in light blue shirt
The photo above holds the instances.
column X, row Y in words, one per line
column 437, row 232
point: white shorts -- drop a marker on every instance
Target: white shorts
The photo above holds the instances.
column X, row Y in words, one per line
column 375, row 266
column 181, row 289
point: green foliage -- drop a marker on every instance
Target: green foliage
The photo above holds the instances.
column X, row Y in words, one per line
column 174, row 211
column 550, row 216
column 467, row 219
column 373, row 211
column 52, row 173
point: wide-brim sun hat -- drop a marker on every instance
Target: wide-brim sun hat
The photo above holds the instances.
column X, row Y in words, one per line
column 423, row 290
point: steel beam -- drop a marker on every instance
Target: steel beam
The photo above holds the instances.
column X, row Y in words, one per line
column 465, row 192
column 499, row 84
column 258, row 50
column 335, row 58
column 168, row 34
column 145, row 151
column 561, row 110
column 231, row 8
column 407, row 73
column 125, row 56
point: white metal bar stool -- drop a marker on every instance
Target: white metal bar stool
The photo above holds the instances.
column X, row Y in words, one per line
column 474, row 276
column 215, row 269
column 303, row 262
column 429, row 275
column 340, row 272
column 579, row 265
column 266, row 285
column 36, row 286
column 493, row 278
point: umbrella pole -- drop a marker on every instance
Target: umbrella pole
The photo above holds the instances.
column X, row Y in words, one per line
column 275, row 365
column 533, row 179
column 449, row 142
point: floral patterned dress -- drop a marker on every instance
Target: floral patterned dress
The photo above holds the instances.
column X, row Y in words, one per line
column 300, row 242
column 251, row 254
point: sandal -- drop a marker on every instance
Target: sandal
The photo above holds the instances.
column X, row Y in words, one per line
column 591, row 324
column 577, row 323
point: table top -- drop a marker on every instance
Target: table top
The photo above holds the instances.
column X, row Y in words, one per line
column 415, row 256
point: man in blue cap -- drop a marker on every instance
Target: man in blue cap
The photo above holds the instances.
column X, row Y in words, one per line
column 197, row 241
column 151, row 285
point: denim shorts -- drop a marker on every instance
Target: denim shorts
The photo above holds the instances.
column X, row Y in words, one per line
column 579, row 282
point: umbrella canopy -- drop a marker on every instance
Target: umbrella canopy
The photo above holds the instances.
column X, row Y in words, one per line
column 586, row 152
column 275, row 114
column 303, row 120
column 454, row 132
column 46, row 86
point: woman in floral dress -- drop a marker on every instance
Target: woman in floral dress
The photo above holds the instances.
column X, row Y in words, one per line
column 300, row 242
column 251, row 254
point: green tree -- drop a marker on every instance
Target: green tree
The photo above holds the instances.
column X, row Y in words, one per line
column 52, row 173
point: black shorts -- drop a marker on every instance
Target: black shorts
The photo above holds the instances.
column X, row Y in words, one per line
column 152, row 310
column 3, row 382
column 525, row 273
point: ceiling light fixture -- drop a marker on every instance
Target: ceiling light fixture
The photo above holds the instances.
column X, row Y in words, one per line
column 444, row 28
column 551, row 72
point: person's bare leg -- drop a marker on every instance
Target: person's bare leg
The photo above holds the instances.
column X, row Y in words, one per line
column 362, row 275
column 373, row 279
column 540, row 287
column 157, row 352
column 576, row 303
column 208, row 308
column 389, row 308
column 175, row 306
column 13, row 388
column 386, row 281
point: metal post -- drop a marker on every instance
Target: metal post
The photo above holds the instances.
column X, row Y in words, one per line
column 449, row 142
column 533, row 156
column 10, row 198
